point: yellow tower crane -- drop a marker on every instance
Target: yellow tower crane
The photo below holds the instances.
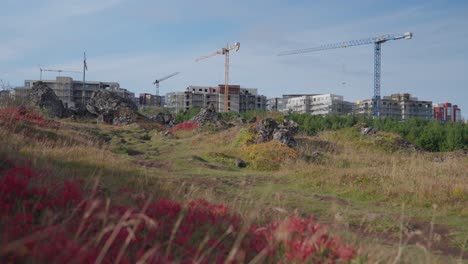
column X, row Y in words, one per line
column 225, row 52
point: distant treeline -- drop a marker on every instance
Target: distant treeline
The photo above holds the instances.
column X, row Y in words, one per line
column 428, row 135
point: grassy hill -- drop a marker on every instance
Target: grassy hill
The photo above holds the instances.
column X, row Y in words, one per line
column 390, row 202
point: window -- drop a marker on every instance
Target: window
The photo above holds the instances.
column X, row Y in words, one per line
column 206, row 90
column 187, row 103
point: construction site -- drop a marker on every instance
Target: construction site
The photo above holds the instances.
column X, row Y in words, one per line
column 234, row 98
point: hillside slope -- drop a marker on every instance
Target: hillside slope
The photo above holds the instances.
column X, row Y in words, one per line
column 392, row 202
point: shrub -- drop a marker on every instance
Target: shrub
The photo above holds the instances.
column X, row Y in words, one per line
column 14, row 116
column 185, row 126
column 187, row 114
column 269, row 155
column 245, row 136
column 45, row 222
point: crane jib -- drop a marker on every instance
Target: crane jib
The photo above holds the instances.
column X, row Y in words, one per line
column 377, row 41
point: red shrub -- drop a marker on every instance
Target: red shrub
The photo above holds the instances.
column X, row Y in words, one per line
column 53, row 223
column 185, row 126
column 13, row 115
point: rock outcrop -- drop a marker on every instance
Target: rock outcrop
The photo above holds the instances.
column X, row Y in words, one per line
column 207, row 115
column 268, row 129
column 44, row 97
column 164, row 119
column 368, row 131
column 111, row 108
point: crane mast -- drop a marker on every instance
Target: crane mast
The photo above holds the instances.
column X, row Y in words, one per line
column 377, row 41
column 225, row 52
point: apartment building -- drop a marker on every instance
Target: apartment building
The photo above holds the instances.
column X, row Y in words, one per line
column 399, row 106
column 146, row 99
column 316, row 104
column 446, row 112
column 72, row 93
column 239, row 99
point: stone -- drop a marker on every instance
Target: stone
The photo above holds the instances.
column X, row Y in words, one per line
column 242, row 120
column 207, row 115
column 268, row 130
column 405, row 144
column 368, row 131
column 111, row 108
column 252, row 120
column 240, row 163
column 164, row 119
column 44, row 97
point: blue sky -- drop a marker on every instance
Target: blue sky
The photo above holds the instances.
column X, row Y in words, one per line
column 135, row 41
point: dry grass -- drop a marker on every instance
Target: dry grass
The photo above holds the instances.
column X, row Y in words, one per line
column 354, row 186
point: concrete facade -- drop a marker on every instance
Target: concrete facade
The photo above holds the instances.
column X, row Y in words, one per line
column 239, row 99
column 72, row 93
column 276, row 104
column 147, row 99
column 397, row 106
column 317, row 104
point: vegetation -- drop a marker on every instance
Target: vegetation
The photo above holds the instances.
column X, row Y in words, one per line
column 392, row 206
column 186, row 115
column 428, row 135
column 55, row 223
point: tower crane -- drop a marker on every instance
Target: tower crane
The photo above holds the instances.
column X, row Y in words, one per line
column 51, row 70
column 162, row 79
column 225, row 52
column 377, row 41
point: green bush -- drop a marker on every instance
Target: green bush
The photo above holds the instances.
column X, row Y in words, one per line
column 186, row 115
column 428, row 135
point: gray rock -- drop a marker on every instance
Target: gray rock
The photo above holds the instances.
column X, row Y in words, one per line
column 240, row 163
column 44, row 97
column 368, row 131
column 111, row 108
column 207, row 115
column 268, row 130
column 252, row 120
column 164, row 119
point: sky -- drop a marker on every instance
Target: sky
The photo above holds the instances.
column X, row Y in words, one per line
column 134, row 42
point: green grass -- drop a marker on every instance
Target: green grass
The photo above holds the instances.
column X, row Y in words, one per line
column 356, row 179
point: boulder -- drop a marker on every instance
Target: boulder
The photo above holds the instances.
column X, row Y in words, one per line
column 405, row 144
column 207, row 115
column 368, row 131
column 164, row 119
column 252, row 120
column 268, row 130
column 44, row 97
column 240, row 163
column 111, row 108
column 285, row 133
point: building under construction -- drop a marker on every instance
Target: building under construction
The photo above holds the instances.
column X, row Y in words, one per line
column 147, row 99
column 314, row 104
column 239, row 99
column 397, row 106
column 74, row 94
